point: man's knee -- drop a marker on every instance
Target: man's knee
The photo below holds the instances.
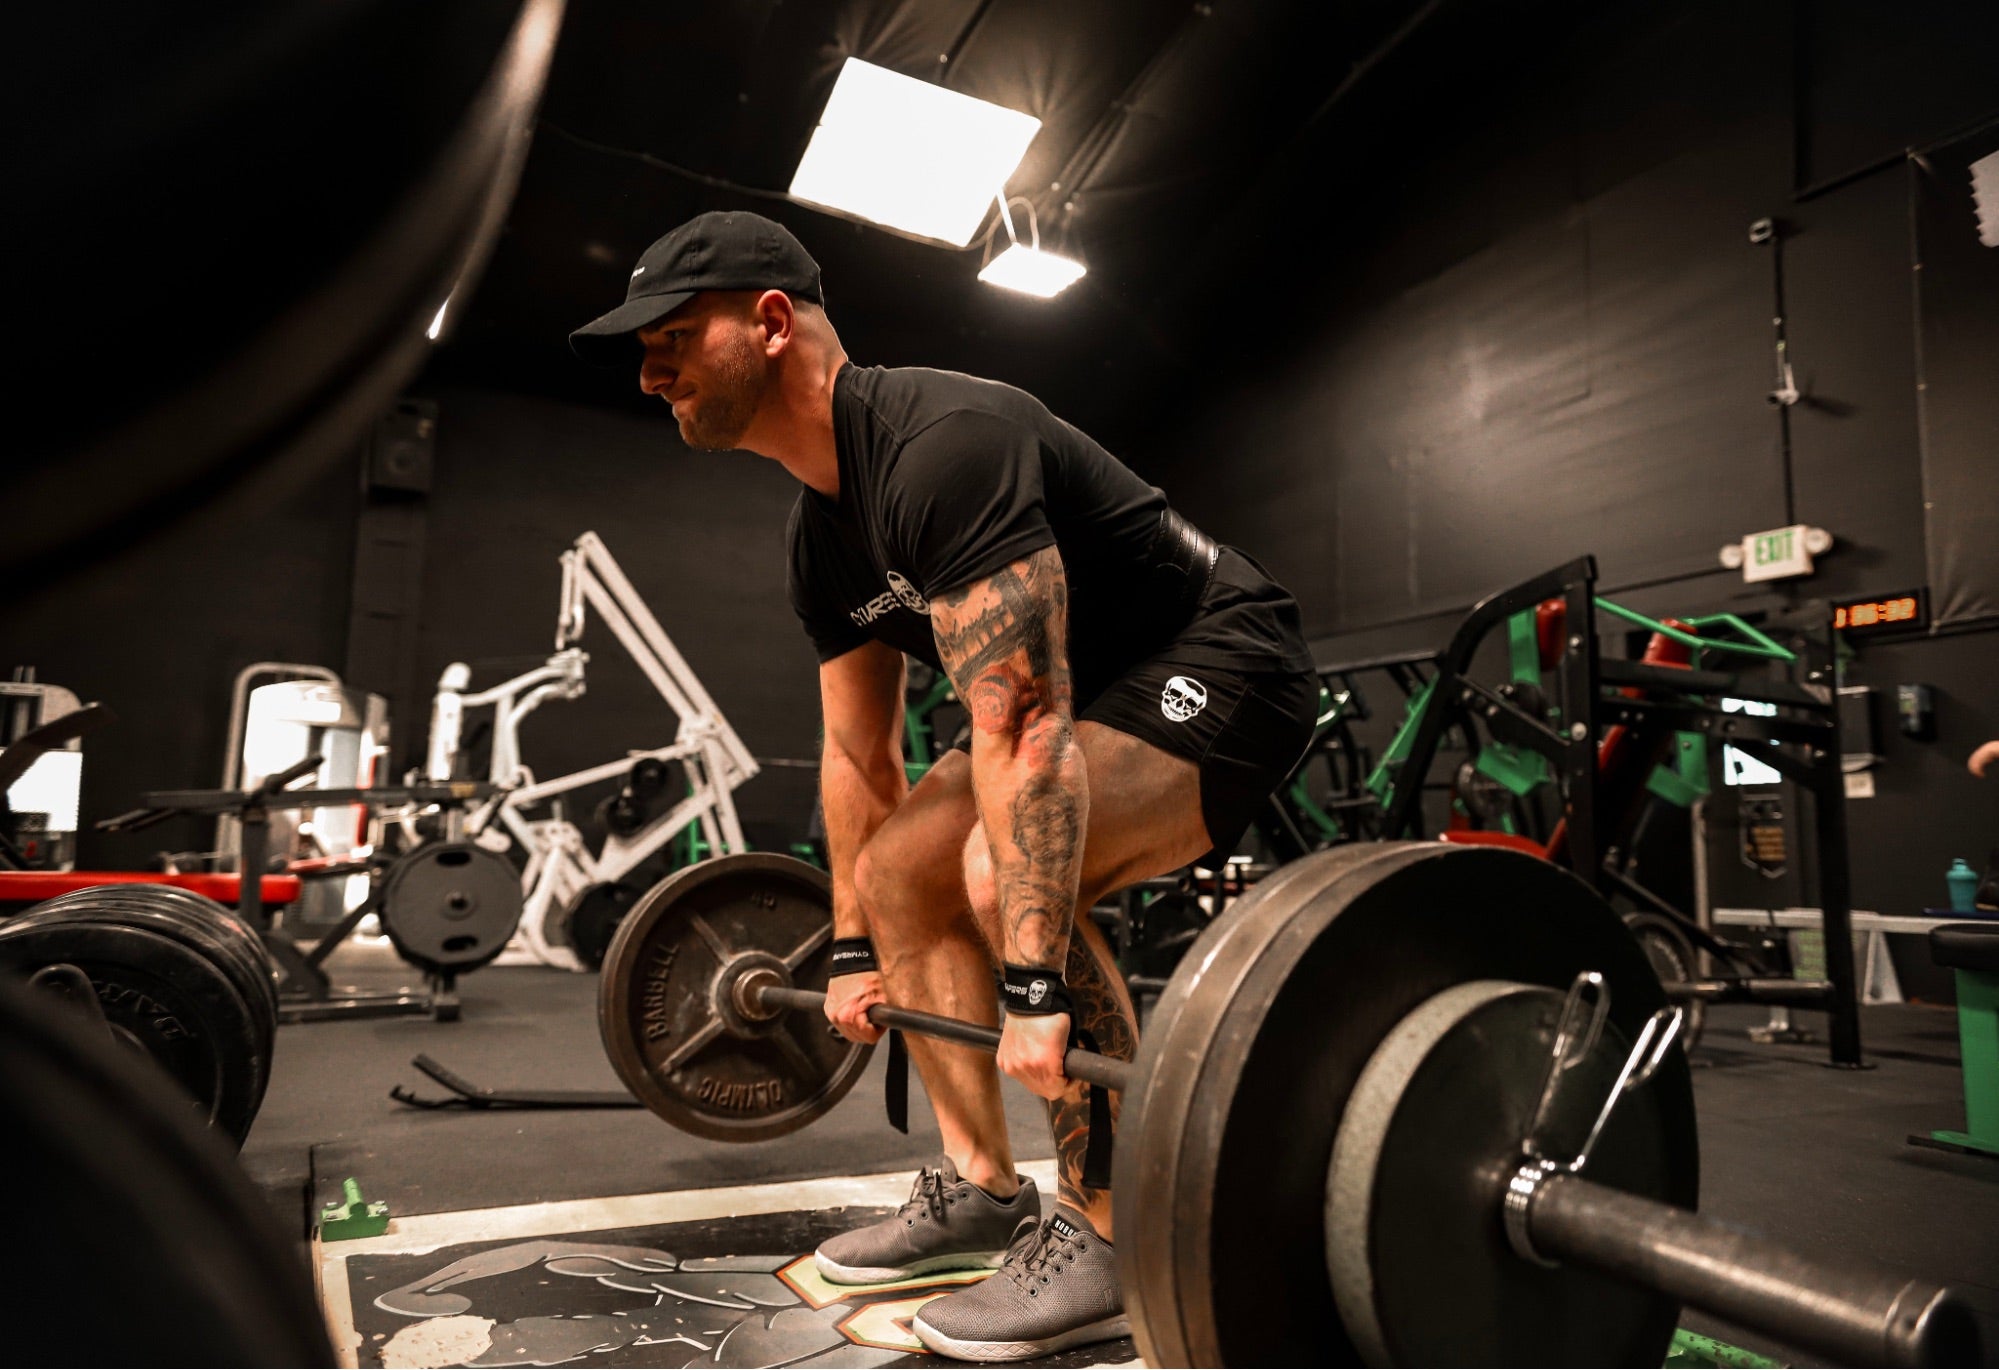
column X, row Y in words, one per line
column 981, row 891
column 878, row 888
column 905, row 897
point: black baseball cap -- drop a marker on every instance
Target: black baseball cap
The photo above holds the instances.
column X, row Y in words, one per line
column 720, row 250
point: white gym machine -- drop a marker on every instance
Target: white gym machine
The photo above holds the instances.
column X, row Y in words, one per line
column 559, row 865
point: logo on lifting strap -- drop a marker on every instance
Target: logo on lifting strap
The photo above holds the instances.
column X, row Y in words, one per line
column 1036, row 992
column 1182, row 698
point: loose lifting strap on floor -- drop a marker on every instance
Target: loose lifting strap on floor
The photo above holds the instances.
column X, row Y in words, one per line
column 465, row 1094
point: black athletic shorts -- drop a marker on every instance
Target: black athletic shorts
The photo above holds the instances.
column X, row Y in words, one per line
column 1245, row 729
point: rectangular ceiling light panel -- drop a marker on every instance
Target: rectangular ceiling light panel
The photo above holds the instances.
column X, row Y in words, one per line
column 909, row 154
column 1032, row 271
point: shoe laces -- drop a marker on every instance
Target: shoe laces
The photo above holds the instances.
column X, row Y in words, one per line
column 1037, row 1251
column 927, row 1197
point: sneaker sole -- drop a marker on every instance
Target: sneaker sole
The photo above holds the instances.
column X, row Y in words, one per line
column 1104, row 1329
column 837, row 1273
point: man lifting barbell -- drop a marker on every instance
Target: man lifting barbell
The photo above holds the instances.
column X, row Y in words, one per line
column 1135, row 689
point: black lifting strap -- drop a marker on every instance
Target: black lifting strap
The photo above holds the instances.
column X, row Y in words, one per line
column 895, row 1085
column 1097, row 1152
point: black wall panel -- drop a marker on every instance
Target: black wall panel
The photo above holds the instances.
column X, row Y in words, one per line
column 159, row 632
column 1539, row 328
column 1875, row 79
column 1958, row 296
column 1855, row 457
column 1594, row 383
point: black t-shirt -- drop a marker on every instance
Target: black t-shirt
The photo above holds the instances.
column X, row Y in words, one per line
column 945, row 479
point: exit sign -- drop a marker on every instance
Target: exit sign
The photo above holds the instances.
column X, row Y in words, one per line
column 1775, row 554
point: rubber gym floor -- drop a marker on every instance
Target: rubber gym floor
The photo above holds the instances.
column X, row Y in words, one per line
column 605, row 1237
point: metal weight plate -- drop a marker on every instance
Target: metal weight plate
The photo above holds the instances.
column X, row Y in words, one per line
column 449, row 907
column 591, row 919
column 162, row 996
column 647, row 780
column 149, row 1240
column 247, row 947
column 1417, row 1177
column 231, row 937
column 1672, row 955
column 624, row 814
column 201, row 925
column 1220, row 1171
column 675, row 1032
column 240, row 951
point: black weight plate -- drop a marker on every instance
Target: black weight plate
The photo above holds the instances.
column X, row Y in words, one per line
column 623, row 814
column 195, row 929
column 1413, row 1194
column 592, row 917
column 249, row 948
column 648, row 777
column 1671, row 953
column 162, row 996
column 684, row 1054
column 449, row 907
column 150, row 1244
column 1221, row 1169
column 242, row 949
column 217, row 928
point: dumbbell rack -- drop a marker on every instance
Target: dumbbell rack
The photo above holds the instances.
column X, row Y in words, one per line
column 306, row 994
column 1800, row 741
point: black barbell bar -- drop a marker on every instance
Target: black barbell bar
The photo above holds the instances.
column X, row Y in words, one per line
column 1851, row 1315
column 1091, row 1067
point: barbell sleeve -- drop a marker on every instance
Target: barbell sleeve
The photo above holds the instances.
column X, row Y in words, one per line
column 1850, row 1314
column 1091, row 1067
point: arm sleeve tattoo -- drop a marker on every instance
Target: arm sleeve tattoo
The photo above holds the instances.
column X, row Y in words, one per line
column 1003, row 639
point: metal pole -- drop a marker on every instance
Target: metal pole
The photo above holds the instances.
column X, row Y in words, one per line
column 1851, row 1315
column 1088, row 1066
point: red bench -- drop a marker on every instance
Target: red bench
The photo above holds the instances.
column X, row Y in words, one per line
column 31, row 887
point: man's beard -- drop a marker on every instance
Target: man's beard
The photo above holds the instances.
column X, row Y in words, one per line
column 727, row 402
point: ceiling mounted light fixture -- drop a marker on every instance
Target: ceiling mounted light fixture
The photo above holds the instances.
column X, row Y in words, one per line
column 1024, row 266
column 910, row 155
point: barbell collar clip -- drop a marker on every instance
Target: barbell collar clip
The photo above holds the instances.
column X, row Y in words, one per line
column 1577, row 1032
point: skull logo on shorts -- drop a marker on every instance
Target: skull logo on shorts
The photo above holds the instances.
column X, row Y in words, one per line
column 1182, row 698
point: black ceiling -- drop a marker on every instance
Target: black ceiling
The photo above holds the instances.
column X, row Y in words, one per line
column 214, row 209
column 1160, row 120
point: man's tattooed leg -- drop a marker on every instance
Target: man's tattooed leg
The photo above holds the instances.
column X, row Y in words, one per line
column 1104, row 1010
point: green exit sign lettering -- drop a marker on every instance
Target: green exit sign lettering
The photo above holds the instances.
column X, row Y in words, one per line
column 1777, row 553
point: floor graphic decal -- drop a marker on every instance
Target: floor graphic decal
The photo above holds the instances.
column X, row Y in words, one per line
column 713, row 1278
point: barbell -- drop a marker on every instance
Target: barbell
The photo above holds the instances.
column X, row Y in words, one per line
column 1357, row 1127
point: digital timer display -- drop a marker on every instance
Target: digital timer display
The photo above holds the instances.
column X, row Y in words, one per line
column 1909, row 609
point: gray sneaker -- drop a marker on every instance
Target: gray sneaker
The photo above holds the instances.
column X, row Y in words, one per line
column 947, row 1224
column 1057, row 1288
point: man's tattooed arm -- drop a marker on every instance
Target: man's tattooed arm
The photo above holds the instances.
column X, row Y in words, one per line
column 1003, row 641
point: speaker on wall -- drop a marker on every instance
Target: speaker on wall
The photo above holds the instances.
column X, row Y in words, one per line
column 400, row 448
